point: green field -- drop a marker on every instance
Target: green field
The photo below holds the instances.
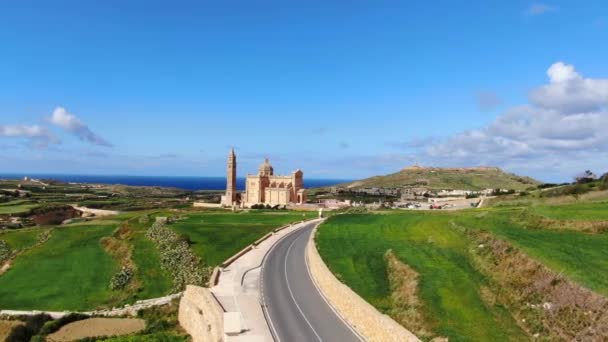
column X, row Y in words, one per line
column 218, row 235
column 16, row 207
column 576, row 211
column 72, row 271
column 69, row 272
column 22, row 238
column 353, row 246
column 580, row 256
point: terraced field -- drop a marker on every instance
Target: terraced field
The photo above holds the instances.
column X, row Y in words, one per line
column 218, row 235
column 69, row 272
column 72, row 270
column 453, row 290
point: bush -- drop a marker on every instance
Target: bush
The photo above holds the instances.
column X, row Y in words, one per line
column 177, row 258
column 33, row 324
column 121, row 279
column 53, row 326
column 5, row 251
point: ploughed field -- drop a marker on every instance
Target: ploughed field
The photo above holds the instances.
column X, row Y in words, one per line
column 483, row 275
column 71, row 267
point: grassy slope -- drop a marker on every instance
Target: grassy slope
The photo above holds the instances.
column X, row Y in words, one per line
column 21, row 238
column 450, row 179
column 580, row 256
column 575, row 211
column 16, row 208
column 155, row 282
column 218, row 235
column 69, row 272
column 353, row 246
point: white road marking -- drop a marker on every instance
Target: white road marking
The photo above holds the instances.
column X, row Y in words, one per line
column 291, row 292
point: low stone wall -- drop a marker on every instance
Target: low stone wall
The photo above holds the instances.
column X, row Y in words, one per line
column 127, row 310
column 359, row 314
column 201, row 315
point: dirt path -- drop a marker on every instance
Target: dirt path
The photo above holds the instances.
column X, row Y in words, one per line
column 6, row 327
column 97, row 327
column 96, row 212
column 5, row 267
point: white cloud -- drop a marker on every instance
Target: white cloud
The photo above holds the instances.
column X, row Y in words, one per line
column 69, row 122
column 569, row 92
column 37, row 135
column 563, row 128
column 538, row 9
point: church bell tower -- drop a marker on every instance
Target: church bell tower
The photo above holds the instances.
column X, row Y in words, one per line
column 230, row 197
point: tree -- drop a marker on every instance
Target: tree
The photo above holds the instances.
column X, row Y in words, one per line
column 585, row 177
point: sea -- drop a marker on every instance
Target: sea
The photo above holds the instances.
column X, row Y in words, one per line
column 181, row 182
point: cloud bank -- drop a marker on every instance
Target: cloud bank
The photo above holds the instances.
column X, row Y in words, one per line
column 564, row 126
column 38, row 136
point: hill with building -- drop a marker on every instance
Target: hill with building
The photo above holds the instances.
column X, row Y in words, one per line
column 466, row 178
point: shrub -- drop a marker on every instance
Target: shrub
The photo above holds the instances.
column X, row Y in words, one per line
column 5, row 251
column 177, row 258
column 121, row 279
column 33, row 324
column 53, row 326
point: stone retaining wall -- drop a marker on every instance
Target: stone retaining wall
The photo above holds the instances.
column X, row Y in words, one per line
column 201, row 315
column 359, row 314
column 127, row 310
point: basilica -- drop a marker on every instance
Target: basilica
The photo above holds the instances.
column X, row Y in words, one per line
column 264, row 187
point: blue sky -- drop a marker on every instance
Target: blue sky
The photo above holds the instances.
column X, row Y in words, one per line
column 340, row 89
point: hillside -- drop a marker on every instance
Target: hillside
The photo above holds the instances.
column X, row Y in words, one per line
column 474, row 178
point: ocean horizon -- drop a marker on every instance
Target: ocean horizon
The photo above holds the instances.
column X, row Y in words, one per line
column 180, row 182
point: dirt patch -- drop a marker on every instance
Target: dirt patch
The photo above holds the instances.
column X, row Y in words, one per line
column 544, row 303
column 6, row 327
column 5, row 267
column 406, row 306
column 97, row 327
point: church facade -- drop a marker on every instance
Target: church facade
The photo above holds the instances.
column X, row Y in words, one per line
column 264, row 187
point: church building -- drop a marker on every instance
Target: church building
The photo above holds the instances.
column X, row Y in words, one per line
column 265, row 187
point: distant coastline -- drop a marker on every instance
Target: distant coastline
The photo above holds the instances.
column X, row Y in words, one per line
column 181, row 182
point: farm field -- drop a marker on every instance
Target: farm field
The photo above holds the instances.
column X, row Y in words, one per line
column 23, row 238
column 216, row 236
column 72, row 270
column 576, row 211
column 581, row 256
column 16, row 207
column 450, row 286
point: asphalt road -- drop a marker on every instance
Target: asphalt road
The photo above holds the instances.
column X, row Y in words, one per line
column 295, row 309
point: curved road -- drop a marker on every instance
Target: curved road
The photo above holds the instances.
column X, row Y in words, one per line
column 295, row 309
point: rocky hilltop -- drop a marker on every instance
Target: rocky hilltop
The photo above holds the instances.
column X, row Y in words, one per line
column 465, row 178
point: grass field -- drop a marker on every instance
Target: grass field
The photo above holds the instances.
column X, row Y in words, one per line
column 72, row 271
column 21, row 238
column 16, row 207
column 576, row 211
column 218, row 235
column 69, row 272
column 353, row 246
column 580, row 256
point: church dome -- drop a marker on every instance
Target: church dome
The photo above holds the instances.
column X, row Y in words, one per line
column 266, row 169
